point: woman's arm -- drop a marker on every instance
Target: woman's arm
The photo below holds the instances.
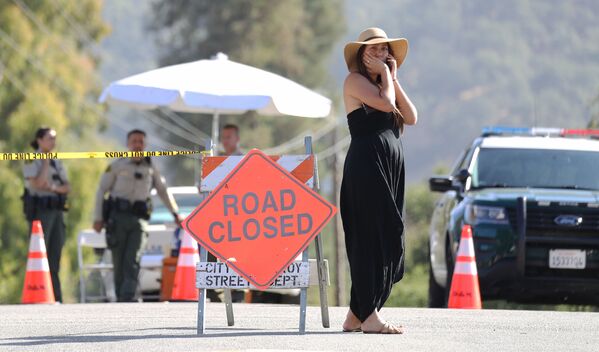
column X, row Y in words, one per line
column 359, row 88
column 65, row 186
column 40, row 181
column 404, row 104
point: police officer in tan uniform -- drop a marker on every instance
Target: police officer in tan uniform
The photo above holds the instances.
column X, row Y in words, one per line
column 46, row 188
column 123, row 208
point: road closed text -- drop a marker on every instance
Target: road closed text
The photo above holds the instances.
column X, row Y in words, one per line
column 267, row 215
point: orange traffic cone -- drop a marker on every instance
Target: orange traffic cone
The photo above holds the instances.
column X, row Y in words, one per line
column 465, row 291
column 37, row 287
column 184, row 288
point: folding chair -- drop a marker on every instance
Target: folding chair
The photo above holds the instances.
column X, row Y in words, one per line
column 91, row 239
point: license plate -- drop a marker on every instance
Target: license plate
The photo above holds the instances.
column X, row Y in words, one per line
column 567, row 259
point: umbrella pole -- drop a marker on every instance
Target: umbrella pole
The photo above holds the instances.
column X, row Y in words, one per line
column 215, row 130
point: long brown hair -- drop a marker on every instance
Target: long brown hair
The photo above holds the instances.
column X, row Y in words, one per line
column 397, row 116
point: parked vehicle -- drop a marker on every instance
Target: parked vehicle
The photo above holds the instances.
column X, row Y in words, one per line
column 187, row 198
column 531, row 196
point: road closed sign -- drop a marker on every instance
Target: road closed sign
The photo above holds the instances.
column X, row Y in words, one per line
column 259, row 219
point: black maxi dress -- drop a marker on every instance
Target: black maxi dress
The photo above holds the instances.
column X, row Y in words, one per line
column 371, row 204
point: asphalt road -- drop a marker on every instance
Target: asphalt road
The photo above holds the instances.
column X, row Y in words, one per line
column 172, row 327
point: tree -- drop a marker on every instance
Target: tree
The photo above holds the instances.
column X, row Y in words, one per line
column 291, row 38
column 46, row 55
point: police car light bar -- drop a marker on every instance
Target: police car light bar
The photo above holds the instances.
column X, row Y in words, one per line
column 581, row 132
column 498, row 130
column 539, row 131
column 546, row 131
column 525, row 131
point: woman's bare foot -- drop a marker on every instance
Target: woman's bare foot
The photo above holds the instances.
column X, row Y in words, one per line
column 374, row 324
column 351, row 323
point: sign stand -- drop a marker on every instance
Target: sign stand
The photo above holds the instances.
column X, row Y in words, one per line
column 321, row 268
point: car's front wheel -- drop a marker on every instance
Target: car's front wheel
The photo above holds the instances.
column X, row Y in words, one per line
column 437, row 297
column 450, row 266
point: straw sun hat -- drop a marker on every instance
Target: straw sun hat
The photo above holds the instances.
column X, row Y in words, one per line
column 399, row 46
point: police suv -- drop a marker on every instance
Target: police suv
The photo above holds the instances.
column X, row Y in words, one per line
column 531, row 196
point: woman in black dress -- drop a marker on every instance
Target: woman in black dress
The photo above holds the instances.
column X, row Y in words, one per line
column 372, row 191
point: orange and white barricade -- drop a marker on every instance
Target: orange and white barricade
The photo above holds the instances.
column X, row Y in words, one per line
column 216, row 168
column 303, row 168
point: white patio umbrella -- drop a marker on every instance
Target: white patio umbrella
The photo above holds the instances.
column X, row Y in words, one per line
column 217, row 86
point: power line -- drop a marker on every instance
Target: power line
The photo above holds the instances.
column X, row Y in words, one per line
column 18, row 85
column 89, row 41
column 93, row 109
column 153, row 140
column 184, row 124
column 298, row 140
column 31, row 16
column 185, row 127
column 26, row 10
column 185, row 130
column 173, row 129
column 330, row 151
column 29, row 13
column 34, row 62
column 83, row 35
column 10, row 41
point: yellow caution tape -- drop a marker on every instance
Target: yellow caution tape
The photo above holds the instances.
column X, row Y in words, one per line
column 96, row 155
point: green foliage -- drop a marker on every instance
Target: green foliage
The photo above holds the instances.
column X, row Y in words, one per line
column 412, row 290
column 441, row 169
column 48, row 74
column 515, row 62
column 290, row 38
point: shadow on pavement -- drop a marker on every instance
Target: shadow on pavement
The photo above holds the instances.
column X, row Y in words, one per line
column 100, row 337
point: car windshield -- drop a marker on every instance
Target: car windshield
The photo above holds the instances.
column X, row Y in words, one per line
column 187, row 202
column 536, row 168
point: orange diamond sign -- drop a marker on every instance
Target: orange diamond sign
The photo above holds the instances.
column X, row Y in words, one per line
column 259, row 219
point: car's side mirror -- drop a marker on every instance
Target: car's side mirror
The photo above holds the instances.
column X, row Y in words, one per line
column 462, row 176
column 440, row 183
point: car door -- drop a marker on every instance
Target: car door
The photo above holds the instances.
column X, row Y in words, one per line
column 439, row 223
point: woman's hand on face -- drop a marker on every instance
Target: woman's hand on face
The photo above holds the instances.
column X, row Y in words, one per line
column 373, row 64
column 393, row 66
